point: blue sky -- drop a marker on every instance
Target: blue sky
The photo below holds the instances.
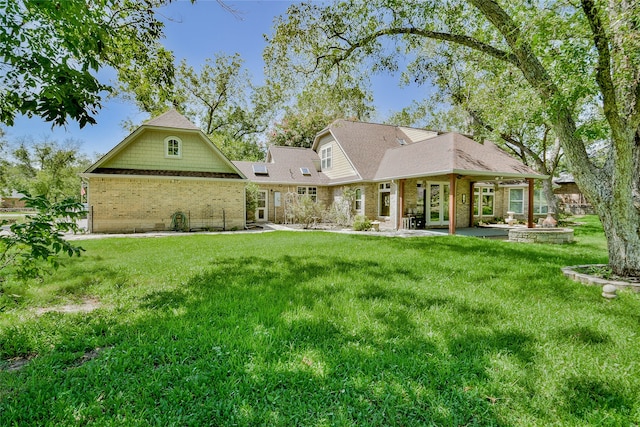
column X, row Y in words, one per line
column 195, row 32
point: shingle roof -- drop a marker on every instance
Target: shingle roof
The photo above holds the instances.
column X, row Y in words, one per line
column 285, row 167
column 365, row 144
column 172, row 119
column 450, row 153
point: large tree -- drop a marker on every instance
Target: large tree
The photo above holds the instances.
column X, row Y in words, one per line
column 316, row 106
column 219, row 97
column 46, row 168
column 51, row 51
column 564, row 52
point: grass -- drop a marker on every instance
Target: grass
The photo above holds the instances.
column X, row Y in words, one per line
column 317, row 329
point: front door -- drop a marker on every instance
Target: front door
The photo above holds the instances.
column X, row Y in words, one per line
column 437, row 204
column 261, row 209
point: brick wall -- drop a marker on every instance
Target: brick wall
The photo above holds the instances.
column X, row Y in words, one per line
column 138, row 204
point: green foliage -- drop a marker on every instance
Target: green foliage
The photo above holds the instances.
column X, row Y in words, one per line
column 46, row 168
column 304, row 210
column 361, row 223
column 316, row 106
column 39, row 238
column 251, row 197
column 52, row 50
column 560, row 70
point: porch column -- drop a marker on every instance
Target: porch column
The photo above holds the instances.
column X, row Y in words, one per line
column 530, row 211
column 452, row 204
column 471, row 201
column 400, row 207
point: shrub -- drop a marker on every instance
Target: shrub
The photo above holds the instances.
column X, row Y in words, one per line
column 39, row 238
column 361, row 223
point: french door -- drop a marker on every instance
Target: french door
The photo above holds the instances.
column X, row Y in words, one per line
column 261, row 209
column 437, row 204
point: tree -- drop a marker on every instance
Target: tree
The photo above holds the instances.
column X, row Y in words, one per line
column 39, row 239
column 50, row 53
column 219, row 98
column 564, row 52
column 316, row 107
column 47, row 168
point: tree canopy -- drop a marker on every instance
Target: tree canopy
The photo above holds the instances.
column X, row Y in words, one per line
column 51, row 51
column 576, row 58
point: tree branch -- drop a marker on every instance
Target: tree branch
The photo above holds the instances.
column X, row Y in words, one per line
column 463, row 40
column 603, row 67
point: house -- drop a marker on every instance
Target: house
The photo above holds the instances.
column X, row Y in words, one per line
column 404, row 176
column 165, row 175
column 570, row 198
column 12, row 200
column 168, row 170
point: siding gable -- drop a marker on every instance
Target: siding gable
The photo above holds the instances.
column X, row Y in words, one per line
column 147, row 152
column 340, row 165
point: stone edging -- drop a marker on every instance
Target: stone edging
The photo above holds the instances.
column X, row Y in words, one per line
column 588, row 279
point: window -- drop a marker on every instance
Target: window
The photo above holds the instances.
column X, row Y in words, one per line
column 539, row 203
column 305, row 171
column 173, row 147
column 325, row 157
column 384, row 206
column 260, row 169
column 484, row 198
column 516, row 200
column 312, row 192
column 358, row 200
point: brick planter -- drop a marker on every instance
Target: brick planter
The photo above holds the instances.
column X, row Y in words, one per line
column 541, row 235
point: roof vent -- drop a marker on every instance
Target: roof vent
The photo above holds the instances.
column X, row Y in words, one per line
column 401, row 141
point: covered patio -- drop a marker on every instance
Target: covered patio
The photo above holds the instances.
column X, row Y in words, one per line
column 437, row 187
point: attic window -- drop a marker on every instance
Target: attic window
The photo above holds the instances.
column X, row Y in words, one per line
column 305, row 171
column 260, row 169
column 401, row 141
column 173, row 147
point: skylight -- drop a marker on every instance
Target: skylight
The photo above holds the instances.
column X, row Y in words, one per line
column 260, row 169
column 305, row 171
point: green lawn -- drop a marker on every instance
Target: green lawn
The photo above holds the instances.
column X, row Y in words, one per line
column 314, row 328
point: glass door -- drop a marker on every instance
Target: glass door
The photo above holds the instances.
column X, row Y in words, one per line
column 261, row 209
column 437, row 203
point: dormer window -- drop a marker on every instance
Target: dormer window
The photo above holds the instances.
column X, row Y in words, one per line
column 173, row 147
column 325, row 157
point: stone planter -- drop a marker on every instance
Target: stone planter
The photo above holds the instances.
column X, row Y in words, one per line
column 541, row 235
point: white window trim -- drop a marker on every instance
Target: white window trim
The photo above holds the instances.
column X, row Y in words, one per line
column 539, row 202
column 306, row 192
column 326, row 157
column 360, row 200
column 521, row 201
column 478, row 202
column 384, row 187
column 166, row 147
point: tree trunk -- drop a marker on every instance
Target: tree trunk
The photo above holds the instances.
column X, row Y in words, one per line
column 550, row 197
column 623, row 241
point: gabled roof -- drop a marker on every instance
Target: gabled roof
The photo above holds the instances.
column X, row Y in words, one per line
column 364, row 144
column 379, row 152
column 172, row 119
column 284, row 167
column 169, row 120
column 451, row 153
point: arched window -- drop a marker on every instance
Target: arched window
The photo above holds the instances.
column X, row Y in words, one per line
column 173, row 147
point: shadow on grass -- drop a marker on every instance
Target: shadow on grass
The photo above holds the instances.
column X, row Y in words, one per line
column 293, row 340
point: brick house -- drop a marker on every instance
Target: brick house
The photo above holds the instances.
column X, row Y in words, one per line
column 403, row 176
column 166, row 174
